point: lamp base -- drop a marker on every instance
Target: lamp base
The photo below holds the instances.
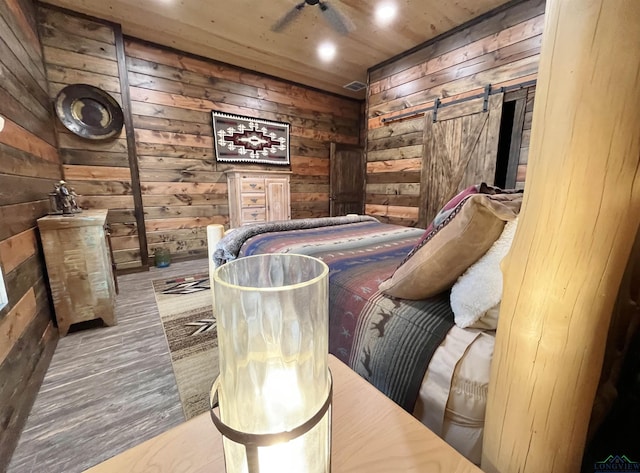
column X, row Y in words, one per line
column 251, row 441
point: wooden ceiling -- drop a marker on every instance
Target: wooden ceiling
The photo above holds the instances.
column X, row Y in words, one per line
column 239, row 32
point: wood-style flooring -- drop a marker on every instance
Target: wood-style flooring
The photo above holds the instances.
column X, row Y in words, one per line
column 107, row 388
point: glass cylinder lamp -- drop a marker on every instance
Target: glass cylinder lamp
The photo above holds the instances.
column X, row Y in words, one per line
column 274, row 388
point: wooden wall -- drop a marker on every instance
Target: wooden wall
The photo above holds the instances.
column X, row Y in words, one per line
column 526, row 139
column 78, row 50
column 29, row 165
column 182, row 188
column 500, row 50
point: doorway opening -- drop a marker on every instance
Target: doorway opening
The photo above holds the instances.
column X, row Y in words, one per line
column 504, row 146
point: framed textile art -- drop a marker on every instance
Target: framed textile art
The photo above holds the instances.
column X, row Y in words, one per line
column 250, row 140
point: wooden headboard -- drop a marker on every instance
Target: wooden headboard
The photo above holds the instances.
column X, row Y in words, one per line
column 577, row 226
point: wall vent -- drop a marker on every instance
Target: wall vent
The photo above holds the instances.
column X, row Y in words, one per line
column 356, row 86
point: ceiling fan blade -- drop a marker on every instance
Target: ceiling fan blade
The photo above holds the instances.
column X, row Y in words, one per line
column 337, row 20
column 290, row 16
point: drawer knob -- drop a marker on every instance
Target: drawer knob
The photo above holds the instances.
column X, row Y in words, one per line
column 253, row 186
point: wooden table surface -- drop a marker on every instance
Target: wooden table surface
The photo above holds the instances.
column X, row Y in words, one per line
column 370, row 434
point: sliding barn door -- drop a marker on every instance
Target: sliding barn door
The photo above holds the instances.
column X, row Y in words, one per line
column 460, row 149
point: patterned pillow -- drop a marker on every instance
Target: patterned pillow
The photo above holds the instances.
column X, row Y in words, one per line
column 450, row 206
column 450, row 248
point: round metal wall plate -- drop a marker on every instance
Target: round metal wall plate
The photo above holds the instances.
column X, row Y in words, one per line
column 89, row 112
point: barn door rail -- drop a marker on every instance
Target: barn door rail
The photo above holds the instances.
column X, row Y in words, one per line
column 438, row 104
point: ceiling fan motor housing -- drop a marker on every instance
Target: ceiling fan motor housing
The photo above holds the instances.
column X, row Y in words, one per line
column 337, row 21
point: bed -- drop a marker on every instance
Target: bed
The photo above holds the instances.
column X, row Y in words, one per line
column 445, row 382
column 576, row 231
column 411, row 350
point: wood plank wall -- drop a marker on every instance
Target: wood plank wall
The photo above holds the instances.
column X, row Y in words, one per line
column 78, row 50
column 501, row 50
column 29, row 165
column 526, row 139
column 183, row 188
column 171, row 97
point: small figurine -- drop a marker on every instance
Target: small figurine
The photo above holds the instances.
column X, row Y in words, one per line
column 64, row 194
column 63, row 201
column 73, row 201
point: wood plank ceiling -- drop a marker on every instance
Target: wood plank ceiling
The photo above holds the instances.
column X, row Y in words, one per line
column 239, row 32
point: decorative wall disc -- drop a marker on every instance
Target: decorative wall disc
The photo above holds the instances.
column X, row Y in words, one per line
column 89, row 112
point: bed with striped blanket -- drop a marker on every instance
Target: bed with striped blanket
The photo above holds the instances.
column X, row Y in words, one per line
column 410, row 350
column 388, row 341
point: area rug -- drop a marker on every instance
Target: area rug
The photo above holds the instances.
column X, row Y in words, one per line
column 185, row 308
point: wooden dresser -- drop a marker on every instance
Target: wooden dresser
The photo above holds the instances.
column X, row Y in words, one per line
column 258, row 196
column 78, row 260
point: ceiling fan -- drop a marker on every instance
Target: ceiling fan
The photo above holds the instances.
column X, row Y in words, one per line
column 338, row 22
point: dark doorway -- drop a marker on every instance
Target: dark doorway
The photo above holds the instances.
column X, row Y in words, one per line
column 504, row 145
column 510, row 141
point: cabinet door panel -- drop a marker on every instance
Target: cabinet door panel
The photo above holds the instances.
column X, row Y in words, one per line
column 277, row 199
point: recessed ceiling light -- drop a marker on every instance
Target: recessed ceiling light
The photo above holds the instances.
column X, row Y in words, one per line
column 327, row 51
column 386, row 12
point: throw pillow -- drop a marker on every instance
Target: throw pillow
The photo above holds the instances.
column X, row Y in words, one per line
column 465, row 235
column 451, row 205
column 476, row 295
column 482, row 188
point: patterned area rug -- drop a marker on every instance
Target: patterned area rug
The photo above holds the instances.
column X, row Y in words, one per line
column 185, row 307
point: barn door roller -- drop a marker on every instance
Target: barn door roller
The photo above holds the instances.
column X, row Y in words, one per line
column 485, row 103
column 436, row 104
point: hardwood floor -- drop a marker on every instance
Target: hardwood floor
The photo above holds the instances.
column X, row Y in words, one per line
column 107, row 388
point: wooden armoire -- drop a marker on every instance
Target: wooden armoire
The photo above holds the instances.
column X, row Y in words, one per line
column 258, row 196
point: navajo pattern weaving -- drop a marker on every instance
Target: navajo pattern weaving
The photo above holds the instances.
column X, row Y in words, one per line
column 250, row 140
column 185, row 308
column 187, row 285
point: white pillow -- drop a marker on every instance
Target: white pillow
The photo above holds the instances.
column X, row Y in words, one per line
column 476, row 295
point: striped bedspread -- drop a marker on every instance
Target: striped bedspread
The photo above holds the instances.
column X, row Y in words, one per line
column 387, row 341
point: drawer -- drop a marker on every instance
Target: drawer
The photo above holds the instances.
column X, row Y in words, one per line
column 253, row 200
column 252, row 185
column 253, row 215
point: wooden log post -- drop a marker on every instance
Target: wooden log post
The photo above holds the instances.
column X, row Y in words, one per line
column 580, row 215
